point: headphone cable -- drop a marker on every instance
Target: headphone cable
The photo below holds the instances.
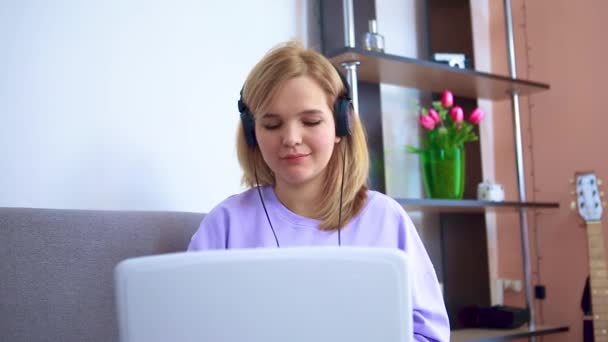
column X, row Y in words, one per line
column 255, row 173
column 257, row 183
column 341, row 192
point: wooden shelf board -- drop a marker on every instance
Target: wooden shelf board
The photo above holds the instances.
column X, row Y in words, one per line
column 469, row 205
column 496, row 335
column 384, row 68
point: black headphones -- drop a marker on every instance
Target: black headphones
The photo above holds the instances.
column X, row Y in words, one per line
column 343, row 113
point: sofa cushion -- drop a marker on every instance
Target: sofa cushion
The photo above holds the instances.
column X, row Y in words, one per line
column 56, row 267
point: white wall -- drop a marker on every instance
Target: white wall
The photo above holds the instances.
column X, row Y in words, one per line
column 128, row 104
column 398, row 23
column 480, row 11
column 404, row 29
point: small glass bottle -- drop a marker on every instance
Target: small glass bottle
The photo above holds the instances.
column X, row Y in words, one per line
column 372, row 40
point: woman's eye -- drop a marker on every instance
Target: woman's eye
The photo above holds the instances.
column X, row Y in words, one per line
column 272, row 126
column 312, row 123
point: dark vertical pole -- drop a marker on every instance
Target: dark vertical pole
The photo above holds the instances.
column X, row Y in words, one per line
column 464, row 240
column 333, row 38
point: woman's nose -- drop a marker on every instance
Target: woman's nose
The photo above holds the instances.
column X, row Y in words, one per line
column 291, row 135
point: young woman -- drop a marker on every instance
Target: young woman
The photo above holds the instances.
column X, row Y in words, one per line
column 305, row 159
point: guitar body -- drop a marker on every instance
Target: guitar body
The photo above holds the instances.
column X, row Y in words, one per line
column 595, row 296
column 588, row 331
column 587, row 311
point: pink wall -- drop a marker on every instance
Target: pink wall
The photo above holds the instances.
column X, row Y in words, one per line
column 562, row 43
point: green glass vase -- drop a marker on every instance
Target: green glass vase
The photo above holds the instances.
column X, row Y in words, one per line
column 443, row 172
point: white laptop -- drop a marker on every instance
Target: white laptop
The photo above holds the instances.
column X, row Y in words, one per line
column 320, row 294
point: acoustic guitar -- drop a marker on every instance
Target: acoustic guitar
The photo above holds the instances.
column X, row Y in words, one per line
column 595, row 298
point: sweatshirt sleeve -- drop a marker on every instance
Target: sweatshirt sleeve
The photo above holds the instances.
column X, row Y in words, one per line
column 212, row 232
column 431, row 321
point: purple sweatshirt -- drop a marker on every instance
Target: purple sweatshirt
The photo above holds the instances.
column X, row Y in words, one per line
column 240, row 222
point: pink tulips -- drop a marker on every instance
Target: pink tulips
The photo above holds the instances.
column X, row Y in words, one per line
column 434, row 115
column 427, row 122
column 445, row 125
column 476, row 116
column 447, row 99
column 457, row 114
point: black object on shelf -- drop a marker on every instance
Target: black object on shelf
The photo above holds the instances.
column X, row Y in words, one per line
column 495, row 317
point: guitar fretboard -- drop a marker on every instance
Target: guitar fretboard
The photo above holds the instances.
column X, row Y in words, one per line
column 598, row 279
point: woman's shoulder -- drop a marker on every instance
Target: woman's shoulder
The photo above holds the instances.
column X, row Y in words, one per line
column 381, row 207
column 377, row 201
column 214, row 229
column 238, row 203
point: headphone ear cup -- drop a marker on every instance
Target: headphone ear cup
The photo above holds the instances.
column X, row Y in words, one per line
column 343, row 113
column 248, row 122
column 248, row 128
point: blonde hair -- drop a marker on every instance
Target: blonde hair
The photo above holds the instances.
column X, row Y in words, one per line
column 280, row 64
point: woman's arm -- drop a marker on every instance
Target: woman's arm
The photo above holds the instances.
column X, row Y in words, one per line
column 431, row 321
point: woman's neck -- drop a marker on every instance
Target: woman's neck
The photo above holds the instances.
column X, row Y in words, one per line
column 301, row 200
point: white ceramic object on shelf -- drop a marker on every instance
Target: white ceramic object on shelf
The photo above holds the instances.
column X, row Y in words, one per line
column 488, row 191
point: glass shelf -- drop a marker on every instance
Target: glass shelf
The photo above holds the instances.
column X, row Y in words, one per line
column 384, row 68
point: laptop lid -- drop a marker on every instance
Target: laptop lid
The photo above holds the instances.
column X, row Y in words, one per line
column 319, row 294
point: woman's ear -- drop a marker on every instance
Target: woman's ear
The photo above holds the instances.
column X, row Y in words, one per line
column 338, row 139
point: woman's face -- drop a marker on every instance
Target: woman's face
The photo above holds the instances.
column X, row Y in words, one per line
column 297, row 133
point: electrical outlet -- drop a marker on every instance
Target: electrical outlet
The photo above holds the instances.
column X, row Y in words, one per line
column 515, row 285
column 499, row 292
column 540, row 292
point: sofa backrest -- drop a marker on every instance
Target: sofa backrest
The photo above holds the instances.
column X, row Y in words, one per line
column 56, row 267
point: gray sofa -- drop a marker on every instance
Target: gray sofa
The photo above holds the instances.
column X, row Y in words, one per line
column 56, row 267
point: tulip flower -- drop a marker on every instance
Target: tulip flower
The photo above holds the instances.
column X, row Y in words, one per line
column 445, row 125
column 457, row 114
column 427, row 122
column 434, row 115
column 447, row 99
column 476, row 116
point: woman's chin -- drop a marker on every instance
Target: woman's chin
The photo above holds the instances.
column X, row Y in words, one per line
column 296, row 179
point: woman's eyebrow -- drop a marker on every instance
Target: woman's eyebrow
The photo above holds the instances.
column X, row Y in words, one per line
column 270, row 116
column 311, row 112
column 304, row 112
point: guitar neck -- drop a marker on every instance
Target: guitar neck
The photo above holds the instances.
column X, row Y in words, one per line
column 598, row 280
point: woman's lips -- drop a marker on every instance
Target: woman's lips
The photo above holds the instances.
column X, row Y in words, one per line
column 295, row 157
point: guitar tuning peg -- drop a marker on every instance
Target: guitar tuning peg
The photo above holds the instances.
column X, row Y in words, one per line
column 601, row 194
column 599, row 182
column 571, row 180
column 572, row 192
column 573, row 205
column 604, row 204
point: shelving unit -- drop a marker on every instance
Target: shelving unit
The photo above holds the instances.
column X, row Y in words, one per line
column 377, row 68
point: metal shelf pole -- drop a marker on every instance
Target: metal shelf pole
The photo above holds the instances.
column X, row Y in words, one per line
column 349, row 41
column 521, row 182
